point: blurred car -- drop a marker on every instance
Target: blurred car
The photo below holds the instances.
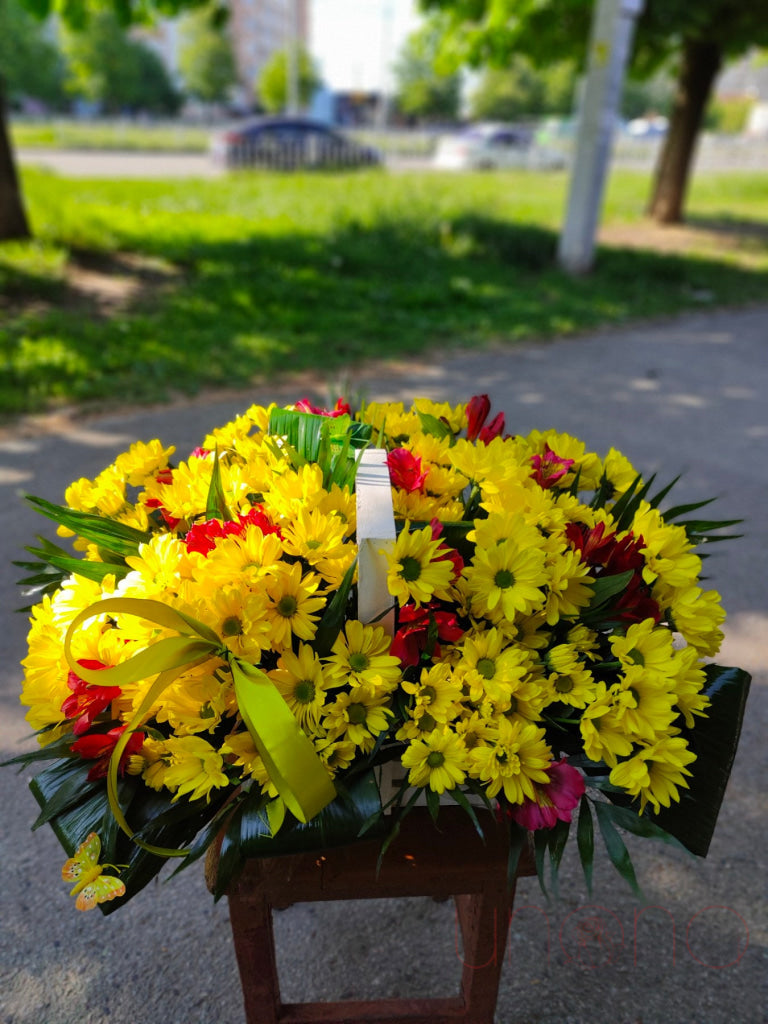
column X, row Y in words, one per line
column 494, row 147
column 287, row 144
column 647, row 127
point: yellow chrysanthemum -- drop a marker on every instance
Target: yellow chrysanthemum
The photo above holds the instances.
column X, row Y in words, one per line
column 438, row 761
column 647, row 705
column 416, row 570
column 438, row 691
column 143, row 460
column 601, row 727
column 358, row 716
column 361, row 655
column 195, row 768
column 518, row 758
column 299, row 678
column 506, row 581
column 655, row 772
column 293, row 607
column 570, row 682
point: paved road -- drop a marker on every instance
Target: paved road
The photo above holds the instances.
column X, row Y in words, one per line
column 684, row 394
column 103, row 164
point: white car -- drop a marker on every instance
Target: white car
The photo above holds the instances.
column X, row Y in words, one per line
column 494, row 147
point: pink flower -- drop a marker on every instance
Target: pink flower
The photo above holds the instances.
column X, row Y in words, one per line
column 549, row 467
column 555, row 800
column 405, row 470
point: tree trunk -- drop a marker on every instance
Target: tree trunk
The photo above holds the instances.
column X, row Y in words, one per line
column 13, row 219
column 700, row 65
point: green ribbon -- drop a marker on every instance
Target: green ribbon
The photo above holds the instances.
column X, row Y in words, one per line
column 288, row 754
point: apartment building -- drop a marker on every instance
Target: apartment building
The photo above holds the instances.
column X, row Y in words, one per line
column 258, row 28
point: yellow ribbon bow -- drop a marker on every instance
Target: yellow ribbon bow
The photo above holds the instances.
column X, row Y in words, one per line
column 288, row 754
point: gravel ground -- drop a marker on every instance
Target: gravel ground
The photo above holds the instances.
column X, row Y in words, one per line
column 683, row 394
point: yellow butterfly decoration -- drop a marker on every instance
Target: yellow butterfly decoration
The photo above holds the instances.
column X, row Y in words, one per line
column 91, row 887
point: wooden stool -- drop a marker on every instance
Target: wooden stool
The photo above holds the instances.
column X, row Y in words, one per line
column 445, row 860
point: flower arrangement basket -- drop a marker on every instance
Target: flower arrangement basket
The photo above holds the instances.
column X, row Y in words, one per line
column 246, row 643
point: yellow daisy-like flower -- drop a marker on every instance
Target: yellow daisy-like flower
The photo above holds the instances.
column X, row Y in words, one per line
column 668, row 552
column 358, row 716
column 647, row 705
column 159, row 568
column 697, row 614
column 314, row 536
column 416, row 570
column 506, row 581
column 438, row 691
column 237, row 616
column 570, row 682
column 240, row 561
column 336, row 755
column 689, row 681
column 194, row 703
column 292, row 607
column 195, row 769
column 601, row 728
column 239, row 750
column 142, row 461
column 299, row 678
column 361, row 655
column 569, row 588
column 646, row 645
column 655, row 772
column 518, row 758
column 454, row 416
column 438, row 761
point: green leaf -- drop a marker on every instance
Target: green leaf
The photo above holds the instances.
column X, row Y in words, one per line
column 334, row 616
column 61, row 786
column 106, row 533
column 657, row 499
column 432, row 425
column 216, row 502
column 96, row 571
column 680, row 510
column 518, row 840
column 585, row 841
column 50, row 752
column 336, row 825
column 606, row 587
column 617, row 850
column 714, row 740
column 460, row 798
column 433, row 803
column 558, row 840
column 641, row 825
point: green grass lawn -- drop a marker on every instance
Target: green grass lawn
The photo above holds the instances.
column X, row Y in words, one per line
column 215, row 283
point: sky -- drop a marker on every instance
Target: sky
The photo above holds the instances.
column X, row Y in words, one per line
column 355, row 42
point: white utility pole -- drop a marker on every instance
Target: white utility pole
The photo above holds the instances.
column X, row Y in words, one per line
column 292, row 68
column 610, row 44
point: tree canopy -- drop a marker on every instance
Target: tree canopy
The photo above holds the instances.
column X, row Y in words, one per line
column 206, row 58
column 421, row 90
column 272, row 84
column 30, row 63
column 696, row 38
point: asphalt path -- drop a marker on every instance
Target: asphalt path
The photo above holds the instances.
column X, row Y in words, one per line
column 125, row 164
column 681, row 395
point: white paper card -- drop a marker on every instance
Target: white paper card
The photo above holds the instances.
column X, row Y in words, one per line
column 375, row 535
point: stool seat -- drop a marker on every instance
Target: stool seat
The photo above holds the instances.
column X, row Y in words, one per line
column 447, row 859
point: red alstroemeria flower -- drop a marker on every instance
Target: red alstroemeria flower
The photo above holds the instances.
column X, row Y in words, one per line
column 202, row 537
column 87, row 700
column 493, row 429
column 636, row 603
column 549, row 467
column 98, row 747
column 340, row 408
column 405, row 470
column 554, row 801
column 413, row 633
column 478, row 408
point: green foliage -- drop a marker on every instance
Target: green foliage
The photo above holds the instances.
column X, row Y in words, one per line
column 206, row 58
column 728, row 115
column 106, row 66
column 421, row 90
column 645, row 95
column 30, row 62
column 522, row 90
column 272, row 85
column 259, row 276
